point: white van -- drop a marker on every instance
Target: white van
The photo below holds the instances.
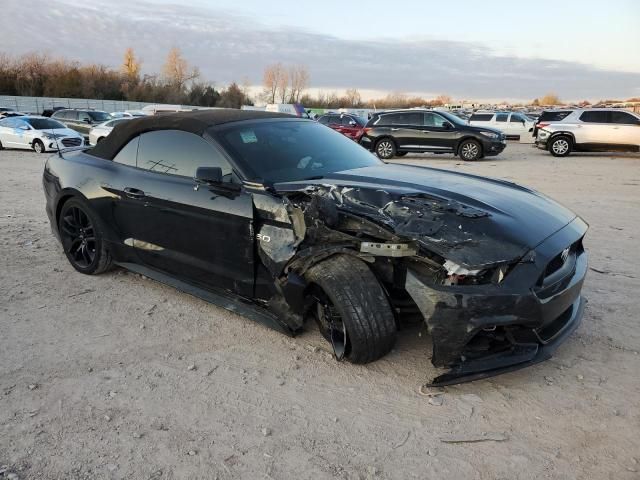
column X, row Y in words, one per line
column 514, row 125
column 291, row 108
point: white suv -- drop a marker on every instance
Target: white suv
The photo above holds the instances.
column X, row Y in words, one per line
column 591, row 130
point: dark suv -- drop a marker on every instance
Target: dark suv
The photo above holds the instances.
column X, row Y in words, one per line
column 81, row 120
column 398, row 132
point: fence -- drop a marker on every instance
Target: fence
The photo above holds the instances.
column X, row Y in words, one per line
column 38, row 104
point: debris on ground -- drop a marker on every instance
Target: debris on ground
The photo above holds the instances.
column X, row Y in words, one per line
column 466, row 438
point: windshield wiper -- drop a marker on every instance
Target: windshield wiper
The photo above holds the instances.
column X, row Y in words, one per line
column 315, row 177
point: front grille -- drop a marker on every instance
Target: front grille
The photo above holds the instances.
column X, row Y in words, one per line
column 71, row 142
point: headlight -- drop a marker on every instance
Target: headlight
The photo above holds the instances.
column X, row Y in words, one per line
column 50, row 136
column 542, row 133
column 493, row 135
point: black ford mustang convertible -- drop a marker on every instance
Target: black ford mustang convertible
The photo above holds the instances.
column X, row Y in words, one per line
column 283, row 220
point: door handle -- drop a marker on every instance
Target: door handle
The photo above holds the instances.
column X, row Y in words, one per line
column 133, row 193
column 395, row 129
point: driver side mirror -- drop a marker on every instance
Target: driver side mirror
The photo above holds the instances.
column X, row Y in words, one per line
column 208, row 175
column 447, row 125
column 24, row 127
column 86, row 120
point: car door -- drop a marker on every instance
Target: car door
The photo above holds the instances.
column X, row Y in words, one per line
column 626, row 128
column 517, row 125
column 595, row 129
column 202, row 235
column 350, row 126
column 9, row 133
column 437, row 133
column 83, row 123
column 405, row 127
column 501, row 122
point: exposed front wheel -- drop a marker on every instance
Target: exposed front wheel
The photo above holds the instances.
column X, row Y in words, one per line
column 38, row 146
column 385, row 148
column 560, row 146
column 82, row 238
column 351, row 309
column 470, row 150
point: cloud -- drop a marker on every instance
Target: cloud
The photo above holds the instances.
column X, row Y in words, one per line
column 228, row 47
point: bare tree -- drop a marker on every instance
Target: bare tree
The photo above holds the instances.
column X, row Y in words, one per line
column 131, row 65
column 299, row 76
column 550, row 99
column 282, row 83
column 270, row 82
column 353, row 97
column 176, row 70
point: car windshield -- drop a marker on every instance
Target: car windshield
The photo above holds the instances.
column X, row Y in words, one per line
column 452, row 118
column 44, row 123
column 283, row 151
column 99, row 116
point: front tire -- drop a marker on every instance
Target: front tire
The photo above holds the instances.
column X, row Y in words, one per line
column 82, row 239
column 470, row 150
column 38, row 146
column 351, row 309
column 560, row 146
column 385, row 148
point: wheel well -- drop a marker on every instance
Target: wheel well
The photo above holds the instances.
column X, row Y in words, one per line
column 463, row 139
column 563, row 134
column 385, row 137
column 64, row 198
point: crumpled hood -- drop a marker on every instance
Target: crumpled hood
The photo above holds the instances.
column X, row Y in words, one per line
column 471, row 220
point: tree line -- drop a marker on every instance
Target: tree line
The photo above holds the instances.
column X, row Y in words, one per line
column 39, row 75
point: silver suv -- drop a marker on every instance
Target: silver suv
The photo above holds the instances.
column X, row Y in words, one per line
column 591, row 130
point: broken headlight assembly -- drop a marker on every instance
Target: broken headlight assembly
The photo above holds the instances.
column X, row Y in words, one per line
column 459, row 275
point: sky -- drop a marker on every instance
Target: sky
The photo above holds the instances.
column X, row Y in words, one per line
column 490, row 50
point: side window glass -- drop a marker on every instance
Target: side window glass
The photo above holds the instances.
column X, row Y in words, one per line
column 434, row 120
column 595, row 117
column 624, row 118
column 178, row 153
column 515, row 118
column 346, row 120
column 324, row 120
column 502, row 117
column 128, row 154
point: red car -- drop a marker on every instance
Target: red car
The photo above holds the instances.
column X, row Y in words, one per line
column 347, row 124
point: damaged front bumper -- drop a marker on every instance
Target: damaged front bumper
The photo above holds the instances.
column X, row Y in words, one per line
column 480, row 331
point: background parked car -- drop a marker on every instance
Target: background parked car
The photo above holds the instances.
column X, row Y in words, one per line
column 99, row 132
column 7, row 112
column 128, row 114
column 550, row 116
column 513, row 124
column 398, row 132
column 349, row 125
column 50, row 111
column 598, row 130
column 81, row 120
column 41, row 134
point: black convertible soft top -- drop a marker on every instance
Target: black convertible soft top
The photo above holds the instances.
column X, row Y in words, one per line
column 195, row 122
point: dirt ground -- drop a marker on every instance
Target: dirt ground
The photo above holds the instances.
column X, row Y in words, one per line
column 117, row 376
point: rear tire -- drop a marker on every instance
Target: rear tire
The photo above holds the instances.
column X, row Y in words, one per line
column 38, row 146
column 355, row 308
column 81, row 236
column 1, row 147
column 385, row 148
column 560, row 146
column 99, row 140
column 470, row 150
